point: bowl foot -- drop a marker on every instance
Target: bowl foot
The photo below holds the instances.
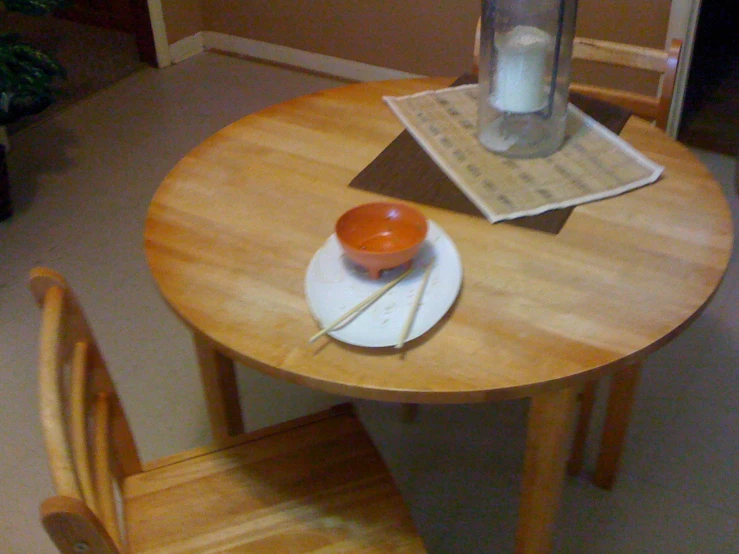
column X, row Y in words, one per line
column 375, row 273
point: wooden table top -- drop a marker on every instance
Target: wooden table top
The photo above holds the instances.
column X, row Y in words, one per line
column 232, row 228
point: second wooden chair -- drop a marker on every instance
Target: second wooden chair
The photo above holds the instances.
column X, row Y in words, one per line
column 654, row 108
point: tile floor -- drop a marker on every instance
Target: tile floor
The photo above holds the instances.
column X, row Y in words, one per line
column 82, row 182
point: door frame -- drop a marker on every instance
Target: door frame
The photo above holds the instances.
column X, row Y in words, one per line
column 159, row 33
column 149, row 32
column 683, row 25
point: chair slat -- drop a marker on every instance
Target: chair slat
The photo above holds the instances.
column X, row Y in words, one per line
column 103, row 473
column 50, row 395
column 78, row 417
column 88, row 439
column 625, row 55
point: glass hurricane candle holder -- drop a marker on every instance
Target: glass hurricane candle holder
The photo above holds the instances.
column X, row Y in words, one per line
column 525, row 61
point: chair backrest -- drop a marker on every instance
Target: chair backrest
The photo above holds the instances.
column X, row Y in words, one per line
column 662, row 62
column 88, row 439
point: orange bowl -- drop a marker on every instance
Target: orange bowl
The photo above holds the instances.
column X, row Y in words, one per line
column 381, row 235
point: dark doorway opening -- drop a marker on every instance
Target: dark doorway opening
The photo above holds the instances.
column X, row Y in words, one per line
column 127, row 16
column 710, row 117
column 98, row 42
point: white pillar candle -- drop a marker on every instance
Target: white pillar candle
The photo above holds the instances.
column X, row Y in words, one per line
column 518, row 85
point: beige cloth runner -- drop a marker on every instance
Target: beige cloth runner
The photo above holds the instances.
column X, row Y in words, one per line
column 593, row 164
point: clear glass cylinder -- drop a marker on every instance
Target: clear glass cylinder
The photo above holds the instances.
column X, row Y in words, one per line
column 525, row 67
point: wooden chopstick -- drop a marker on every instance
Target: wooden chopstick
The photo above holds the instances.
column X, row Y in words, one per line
column 361, row 306
column 416, row 303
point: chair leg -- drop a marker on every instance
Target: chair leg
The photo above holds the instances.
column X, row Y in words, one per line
column 221, row 391
column 73, row 527
column 409, row 413
column 580, row 439
column 618, row 413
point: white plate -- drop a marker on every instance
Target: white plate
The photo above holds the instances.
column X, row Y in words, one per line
column 334, row 284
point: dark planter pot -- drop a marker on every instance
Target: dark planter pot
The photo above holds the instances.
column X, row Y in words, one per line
column 6, row 207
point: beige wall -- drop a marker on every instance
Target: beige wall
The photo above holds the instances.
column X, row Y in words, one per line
column 420, row 36
column 182, row 18
column 642, row 22
column 629, row 21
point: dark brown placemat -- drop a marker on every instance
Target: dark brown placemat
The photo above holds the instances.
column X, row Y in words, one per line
column 404, row 170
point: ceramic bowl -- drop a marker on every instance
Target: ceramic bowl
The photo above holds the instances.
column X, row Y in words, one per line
column 381, row 235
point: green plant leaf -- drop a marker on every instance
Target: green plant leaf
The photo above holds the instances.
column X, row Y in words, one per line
column 27, row 77
column 39, row 58
column 36, row 7
column 23, row 105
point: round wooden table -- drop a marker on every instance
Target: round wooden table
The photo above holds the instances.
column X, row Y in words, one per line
column 232, row 228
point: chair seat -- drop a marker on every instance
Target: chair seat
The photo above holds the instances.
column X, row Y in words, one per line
column 318, row 485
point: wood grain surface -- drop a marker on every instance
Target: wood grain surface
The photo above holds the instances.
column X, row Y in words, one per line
column 232, row 228
column 318, row 487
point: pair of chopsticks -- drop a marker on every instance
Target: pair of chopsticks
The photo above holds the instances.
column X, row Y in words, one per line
column 416, row 303
column 374, row 297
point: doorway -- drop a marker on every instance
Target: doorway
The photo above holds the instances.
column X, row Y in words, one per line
column 710, row 116
column 98, row 42
column 127, row 16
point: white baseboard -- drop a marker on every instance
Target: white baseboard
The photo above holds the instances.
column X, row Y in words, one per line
column 187, row 47
column 338, row 67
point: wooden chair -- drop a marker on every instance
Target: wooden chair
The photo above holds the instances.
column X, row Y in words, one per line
column 662, row 62
column 654, row 108
column 313, row 484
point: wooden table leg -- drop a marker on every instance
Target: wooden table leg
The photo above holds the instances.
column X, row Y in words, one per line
column 221, row 391
column 549, row 425
column 587, row 401
column 409, row 412
column 618, row 413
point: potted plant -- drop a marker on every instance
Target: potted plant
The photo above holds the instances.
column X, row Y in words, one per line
column 27, row 81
